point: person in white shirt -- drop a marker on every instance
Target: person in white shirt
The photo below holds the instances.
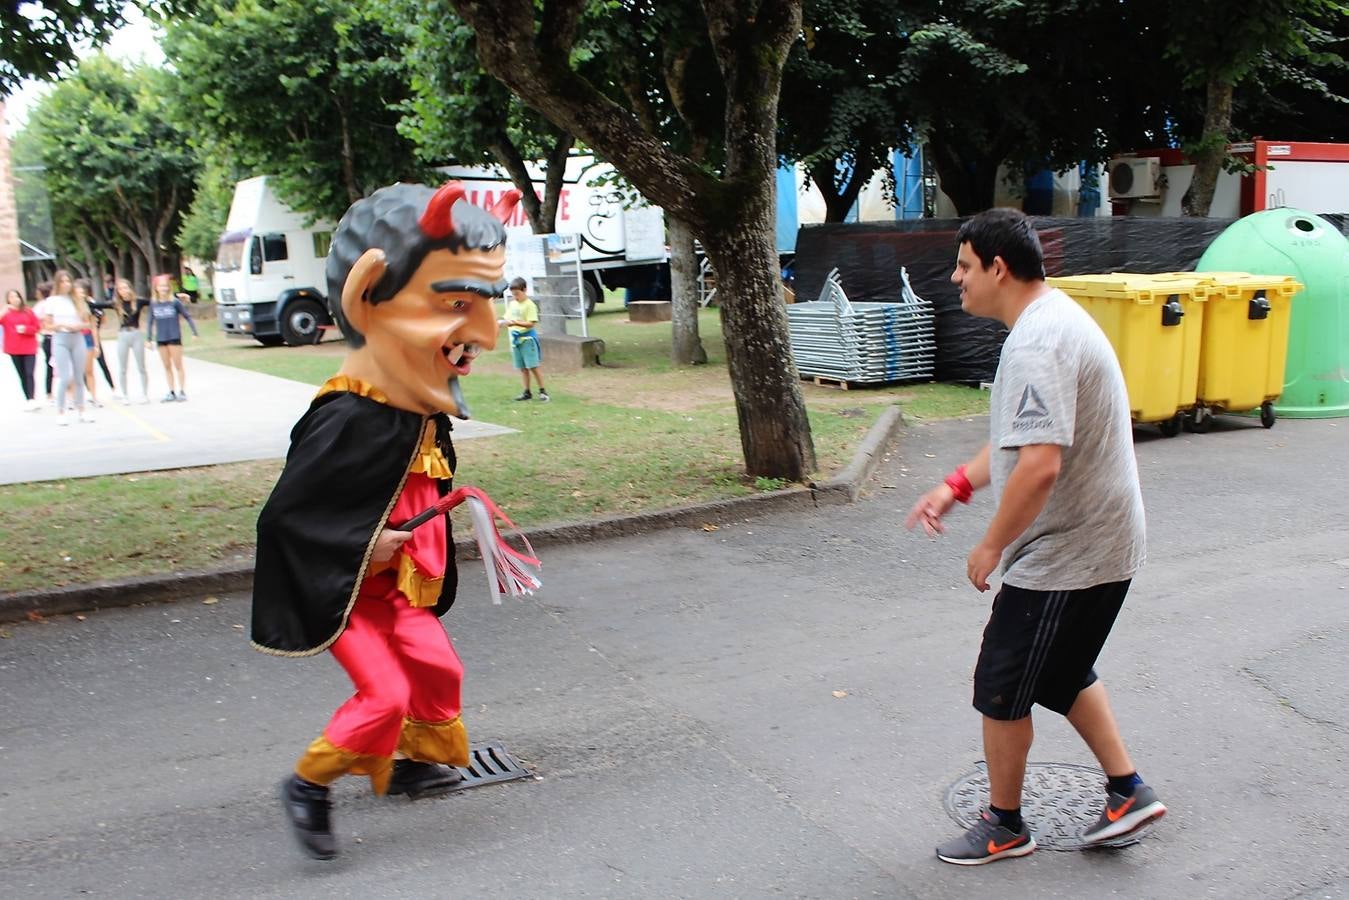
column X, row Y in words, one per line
column 67, row 318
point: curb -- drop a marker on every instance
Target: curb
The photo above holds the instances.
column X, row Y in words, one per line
column 837, row 490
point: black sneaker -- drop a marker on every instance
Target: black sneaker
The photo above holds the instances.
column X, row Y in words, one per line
column 1125, row 815
column 422, row 779
column 525, row 396
column 543, row 395
column 308, row 809
column 986, row 842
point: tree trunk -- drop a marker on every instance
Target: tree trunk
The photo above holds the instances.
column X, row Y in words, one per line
column 970, row 183
column 554, row 178
column 169, row 211
column 142, row 242
column 686, row 348
column 774, row 429
column 838, row 201
column 732, row 214
column 1208, row 156
column 140, row 276
column 348, row 158
column 508, row 157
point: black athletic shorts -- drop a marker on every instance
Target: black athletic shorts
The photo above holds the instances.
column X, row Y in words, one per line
column 171, row 342
column 1041, row 646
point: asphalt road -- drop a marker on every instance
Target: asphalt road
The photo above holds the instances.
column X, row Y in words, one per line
column 772, row 708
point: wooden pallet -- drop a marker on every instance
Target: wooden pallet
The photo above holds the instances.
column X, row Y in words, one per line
column 828, row 382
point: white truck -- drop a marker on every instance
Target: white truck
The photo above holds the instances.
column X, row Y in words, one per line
column 270, row 283
column 620, row 247
column 269, row 270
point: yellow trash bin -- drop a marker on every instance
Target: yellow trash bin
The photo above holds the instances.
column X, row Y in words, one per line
column 1154, row 322
column 1244, row 349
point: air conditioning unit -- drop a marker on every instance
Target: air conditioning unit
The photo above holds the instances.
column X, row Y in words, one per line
column 1135, row 176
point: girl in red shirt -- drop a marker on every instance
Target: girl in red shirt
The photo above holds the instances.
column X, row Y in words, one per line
column 21, row 332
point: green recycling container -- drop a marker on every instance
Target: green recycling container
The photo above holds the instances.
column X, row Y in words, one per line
column 1310, row 249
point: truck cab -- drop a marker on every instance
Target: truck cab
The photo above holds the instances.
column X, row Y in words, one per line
column 270, row 283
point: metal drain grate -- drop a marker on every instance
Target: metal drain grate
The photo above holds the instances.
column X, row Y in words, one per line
column 1059, row 800
column 489, row 763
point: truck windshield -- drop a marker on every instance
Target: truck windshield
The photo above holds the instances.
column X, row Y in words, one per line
column 230, row 256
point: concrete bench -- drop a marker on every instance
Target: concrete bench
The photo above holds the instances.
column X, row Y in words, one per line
column 649, row 311
column 569, row 352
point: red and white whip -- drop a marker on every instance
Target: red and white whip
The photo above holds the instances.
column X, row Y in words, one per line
column 508, row 570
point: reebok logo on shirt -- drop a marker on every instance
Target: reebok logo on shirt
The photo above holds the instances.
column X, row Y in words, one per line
column 1031, row 412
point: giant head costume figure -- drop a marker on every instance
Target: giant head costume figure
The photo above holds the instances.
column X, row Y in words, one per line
column 411, row 276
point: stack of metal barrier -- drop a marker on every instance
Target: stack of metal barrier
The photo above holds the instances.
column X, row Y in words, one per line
column 866, row 343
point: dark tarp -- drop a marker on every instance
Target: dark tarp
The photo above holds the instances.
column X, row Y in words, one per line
column 868, row 256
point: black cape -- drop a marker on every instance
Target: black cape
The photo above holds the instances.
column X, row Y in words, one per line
column 349, row 456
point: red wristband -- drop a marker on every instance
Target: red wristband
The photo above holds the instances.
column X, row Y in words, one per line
column 960, row 485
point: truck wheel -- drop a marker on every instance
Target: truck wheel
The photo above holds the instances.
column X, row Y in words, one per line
column 300, row 323
column 592, row 296
column 268, row 340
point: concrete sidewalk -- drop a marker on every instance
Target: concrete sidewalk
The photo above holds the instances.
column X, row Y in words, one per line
column 232, row 415
column 782, row 717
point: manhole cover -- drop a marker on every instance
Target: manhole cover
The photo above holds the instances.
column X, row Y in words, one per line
column 1059, row 800
column 489, row 763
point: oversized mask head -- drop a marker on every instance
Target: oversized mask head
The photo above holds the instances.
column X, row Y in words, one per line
column 411, row 277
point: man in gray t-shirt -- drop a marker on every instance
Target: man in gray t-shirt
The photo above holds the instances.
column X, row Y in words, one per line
column 1068, row 532
column 1059, row 383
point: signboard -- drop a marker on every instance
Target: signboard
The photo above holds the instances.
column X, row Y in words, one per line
column 524, row 254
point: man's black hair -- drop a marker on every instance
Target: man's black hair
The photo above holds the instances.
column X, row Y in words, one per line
column 388, row 220
column 1007, row 233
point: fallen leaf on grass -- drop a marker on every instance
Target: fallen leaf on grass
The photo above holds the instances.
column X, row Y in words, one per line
column 210, row 600
column 840, row 694
column 708, row 526
column 5, row 635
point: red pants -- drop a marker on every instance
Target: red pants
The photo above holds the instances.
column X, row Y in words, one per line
column 407, row 678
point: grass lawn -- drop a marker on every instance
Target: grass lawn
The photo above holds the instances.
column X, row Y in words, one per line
column 636, row 434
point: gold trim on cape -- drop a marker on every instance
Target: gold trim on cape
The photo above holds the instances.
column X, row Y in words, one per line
column 425, row 457
column 360, row 574
column 430, row 461
column 352, row 386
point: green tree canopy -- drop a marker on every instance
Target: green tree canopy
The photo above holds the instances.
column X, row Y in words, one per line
column 457, row 112
column 307, row 92
column 1216, row 49
column 118, row 173
column 199, row 234
column 537, row 50
column 39, row 37
column 848, row 104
